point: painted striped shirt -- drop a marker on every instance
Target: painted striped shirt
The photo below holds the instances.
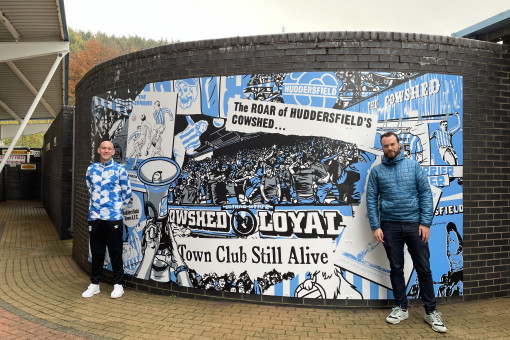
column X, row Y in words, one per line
column 444, row 138
column 159, row 115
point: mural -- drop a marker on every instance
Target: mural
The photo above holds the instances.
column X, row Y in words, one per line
column 256, row 183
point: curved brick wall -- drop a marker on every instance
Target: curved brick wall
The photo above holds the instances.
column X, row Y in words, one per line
column 485, row 70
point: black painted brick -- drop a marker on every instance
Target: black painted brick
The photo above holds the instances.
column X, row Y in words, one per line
column 57, row 171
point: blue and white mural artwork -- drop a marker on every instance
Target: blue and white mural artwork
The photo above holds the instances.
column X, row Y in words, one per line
column 256, row 183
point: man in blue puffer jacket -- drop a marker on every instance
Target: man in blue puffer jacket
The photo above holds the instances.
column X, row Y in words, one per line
column 400, row 211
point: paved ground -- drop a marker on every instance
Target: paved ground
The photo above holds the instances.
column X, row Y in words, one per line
column 41, row 286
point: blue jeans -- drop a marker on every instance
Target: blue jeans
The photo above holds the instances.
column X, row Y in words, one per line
column 323, row 190
column 396, row 234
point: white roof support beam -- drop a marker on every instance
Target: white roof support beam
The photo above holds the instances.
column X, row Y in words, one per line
column 59, row 58
column 23, row 50
column 10, row 27
column 11, row 112
column 31, row 87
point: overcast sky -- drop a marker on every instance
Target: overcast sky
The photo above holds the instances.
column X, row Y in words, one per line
column 188, row 20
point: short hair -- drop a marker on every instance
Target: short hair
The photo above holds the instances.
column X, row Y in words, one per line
column 389, row 134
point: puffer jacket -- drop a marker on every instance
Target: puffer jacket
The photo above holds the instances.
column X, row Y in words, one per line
column 398, row 191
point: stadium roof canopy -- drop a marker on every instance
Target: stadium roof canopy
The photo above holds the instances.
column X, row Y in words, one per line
column 32, row 34
column 493, row 29
column 33, row 42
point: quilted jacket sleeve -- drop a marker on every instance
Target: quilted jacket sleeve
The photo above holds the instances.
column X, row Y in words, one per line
column 373, row 200
column 425, row 197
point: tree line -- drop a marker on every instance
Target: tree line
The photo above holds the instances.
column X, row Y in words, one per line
column 87, row 49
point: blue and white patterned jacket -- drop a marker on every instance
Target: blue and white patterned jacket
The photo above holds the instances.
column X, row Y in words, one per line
column 110, row 191
column 398, row 191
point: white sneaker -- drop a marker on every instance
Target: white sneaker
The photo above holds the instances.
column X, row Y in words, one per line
column 117, row 291
column 397, row 314
column 434, row 319
column 92, row 290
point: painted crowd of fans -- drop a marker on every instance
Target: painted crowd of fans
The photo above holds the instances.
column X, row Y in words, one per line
column 306, row 171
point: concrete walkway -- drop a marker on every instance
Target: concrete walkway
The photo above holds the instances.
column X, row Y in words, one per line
column 41, row 286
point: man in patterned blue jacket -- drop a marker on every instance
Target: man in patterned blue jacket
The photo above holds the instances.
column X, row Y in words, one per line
column 110, row 192
column 400, row 211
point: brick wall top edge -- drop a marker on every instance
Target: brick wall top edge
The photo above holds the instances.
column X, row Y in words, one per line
column 298, row 38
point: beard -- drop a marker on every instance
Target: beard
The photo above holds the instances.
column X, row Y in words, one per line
column 390, row 154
